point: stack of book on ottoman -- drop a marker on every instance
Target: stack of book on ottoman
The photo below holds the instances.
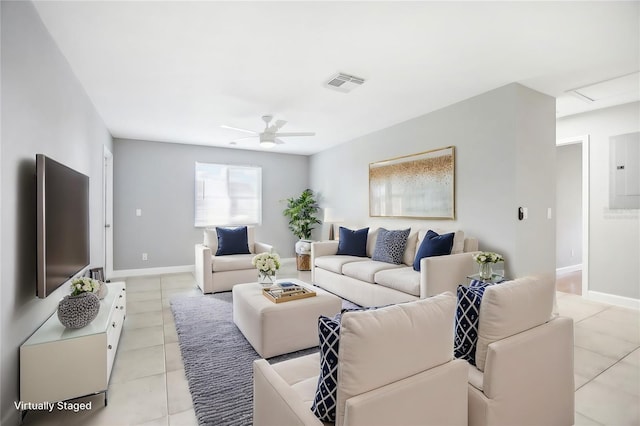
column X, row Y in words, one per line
column 285, row 291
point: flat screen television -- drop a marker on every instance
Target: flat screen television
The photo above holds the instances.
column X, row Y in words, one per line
column 62, row 224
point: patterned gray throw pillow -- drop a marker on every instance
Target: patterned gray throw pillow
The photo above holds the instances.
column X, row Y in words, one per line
column 390, row 246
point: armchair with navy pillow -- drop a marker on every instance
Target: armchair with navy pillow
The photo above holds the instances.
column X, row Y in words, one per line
column 224, row 258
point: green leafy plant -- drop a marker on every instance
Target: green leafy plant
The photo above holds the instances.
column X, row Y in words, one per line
column 301, row 212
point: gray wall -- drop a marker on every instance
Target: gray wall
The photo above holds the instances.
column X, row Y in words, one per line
column 44, row 110
column 569, row 205
column 614, row 237
column 159, row 178
column 505, row 158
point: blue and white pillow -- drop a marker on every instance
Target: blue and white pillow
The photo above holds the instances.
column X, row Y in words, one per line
column 390, row 246
column 467, row 319
column 325, row 401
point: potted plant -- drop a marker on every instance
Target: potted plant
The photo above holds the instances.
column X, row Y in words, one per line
column 302, row 212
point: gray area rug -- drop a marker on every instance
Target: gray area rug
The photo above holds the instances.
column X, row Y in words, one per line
column 218, row 360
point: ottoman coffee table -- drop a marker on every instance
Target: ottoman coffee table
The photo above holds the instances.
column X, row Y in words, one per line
column 279, row 328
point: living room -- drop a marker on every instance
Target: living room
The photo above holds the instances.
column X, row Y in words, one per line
column 504, row 134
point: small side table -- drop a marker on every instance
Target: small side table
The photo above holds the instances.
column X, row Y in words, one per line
column 495, row 278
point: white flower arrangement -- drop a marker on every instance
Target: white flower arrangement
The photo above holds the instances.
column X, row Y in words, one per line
column 84, row 285
column 487, row 257
column 266, row 263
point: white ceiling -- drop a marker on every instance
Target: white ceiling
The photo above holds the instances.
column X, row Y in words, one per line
column 175, row 70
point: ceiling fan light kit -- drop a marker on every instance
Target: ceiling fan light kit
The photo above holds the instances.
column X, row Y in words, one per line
column 269, row 137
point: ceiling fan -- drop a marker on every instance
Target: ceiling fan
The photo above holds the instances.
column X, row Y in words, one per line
column 269, row 137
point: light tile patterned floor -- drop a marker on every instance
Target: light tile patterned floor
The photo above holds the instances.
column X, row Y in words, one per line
column 148, row 385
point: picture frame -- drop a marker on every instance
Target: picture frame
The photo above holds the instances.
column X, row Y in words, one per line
column 97, row 274
column 420, row 186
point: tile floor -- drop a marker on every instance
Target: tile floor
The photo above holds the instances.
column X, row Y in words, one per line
column 148, row 385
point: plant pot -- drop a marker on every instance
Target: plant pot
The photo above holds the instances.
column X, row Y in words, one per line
column 486, row 271
column 265, row 279
column 103, row 291
column 78, row 311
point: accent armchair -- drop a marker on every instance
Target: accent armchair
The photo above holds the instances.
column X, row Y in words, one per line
column 524, row 358
column 395, row 367
column 220, row 273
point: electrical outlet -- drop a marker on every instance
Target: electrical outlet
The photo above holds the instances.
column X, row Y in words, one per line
column 145, row 256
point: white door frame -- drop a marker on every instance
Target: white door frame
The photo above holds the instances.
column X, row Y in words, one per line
column 107, row 191
column 584, row 140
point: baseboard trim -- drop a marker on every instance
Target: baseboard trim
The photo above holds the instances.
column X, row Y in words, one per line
column 567, row 269
column 123, row 273
column 613, row 299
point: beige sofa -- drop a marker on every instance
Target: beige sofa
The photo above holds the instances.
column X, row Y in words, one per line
column 395, row 367
column 524, row 374
column 372, row 283
column 220, row 273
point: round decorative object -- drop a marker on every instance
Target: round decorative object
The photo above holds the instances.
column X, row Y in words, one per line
column 486, row 271
column 78, row 311
column 103, row 291
column 265, row 279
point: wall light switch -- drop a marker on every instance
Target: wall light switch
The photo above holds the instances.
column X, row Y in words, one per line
column 525, row 213
column 138, row 212
column 549, row 215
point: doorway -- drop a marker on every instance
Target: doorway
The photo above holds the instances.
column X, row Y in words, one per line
column 107, row 191
column 572, row 215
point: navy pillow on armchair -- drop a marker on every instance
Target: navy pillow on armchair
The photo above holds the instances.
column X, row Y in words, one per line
column 433, row 245
column 232, row 241
column 353, row 243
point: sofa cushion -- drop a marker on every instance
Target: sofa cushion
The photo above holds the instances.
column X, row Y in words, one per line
column 353, row 243
column 372, row 237
column 232, row 262
column 403, row 279
column 390, row 246
column 211, row 239
column 466, row 323
column 366, row 271
column 433, row 244
column 458, row 239
column 511, row 308
column 334, row 263
column 324, row 403
column 232, row 241
column 410, row 250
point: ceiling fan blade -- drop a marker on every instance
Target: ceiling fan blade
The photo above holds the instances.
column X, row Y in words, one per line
column 224, row 126
column 296, row 134
column 280, row 123
column 241, row 139
column 278, row 141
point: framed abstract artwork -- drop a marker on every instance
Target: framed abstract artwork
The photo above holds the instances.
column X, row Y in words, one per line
column 414, row 186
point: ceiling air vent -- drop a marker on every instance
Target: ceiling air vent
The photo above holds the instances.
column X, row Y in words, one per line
column 344, row 82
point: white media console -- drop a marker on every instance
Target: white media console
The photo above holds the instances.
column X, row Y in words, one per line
column 57, row 363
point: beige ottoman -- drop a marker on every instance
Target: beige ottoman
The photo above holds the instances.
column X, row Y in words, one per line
column 279, row 328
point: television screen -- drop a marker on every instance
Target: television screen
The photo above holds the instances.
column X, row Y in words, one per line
column 63, row 224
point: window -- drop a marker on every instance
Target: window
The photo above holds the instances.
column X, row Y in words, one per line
column 228, row 195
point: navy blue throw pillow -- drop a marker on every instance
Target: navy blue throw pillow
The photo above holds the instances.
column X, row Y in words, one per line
column 353, row 243
column 467, row 320
column 433, row 245
column 232, row 241
column 325, row 401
